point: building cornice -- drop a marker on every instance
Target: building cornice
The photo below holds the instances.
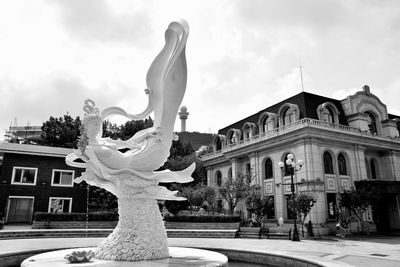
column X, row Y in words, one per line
column 297, row 131
column 34, row 150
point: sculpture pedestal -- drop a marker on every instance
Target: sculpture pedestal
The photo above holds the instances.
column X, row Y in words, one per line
column 178, row 257
column 139, row 235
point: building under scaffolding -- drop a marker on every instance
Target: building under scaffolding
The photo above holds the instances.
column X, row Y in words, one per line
column 23, row 132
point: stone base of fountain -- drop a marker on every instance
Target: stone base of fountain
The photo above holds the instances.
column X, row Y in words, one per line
column 178, row 257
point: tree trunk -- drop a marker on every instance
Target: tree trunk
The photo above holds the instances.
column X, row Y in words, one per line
column 140, row 233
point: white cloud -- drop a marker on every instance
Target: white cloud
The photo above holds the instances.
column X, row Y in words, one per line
column 241, row 57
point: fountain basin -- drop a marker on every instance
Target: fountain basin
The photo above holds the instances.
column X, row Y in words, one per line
column 178, row 257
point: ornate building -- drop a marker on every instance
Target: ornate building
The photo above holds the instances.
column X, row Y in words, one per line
column 341, row 142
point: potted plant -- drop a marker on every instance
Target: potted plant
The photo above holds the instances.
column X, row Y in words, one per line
column 2, row 221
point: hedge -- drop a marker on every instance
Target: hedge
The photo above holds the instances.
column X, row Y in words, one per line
column 73, row 216
column 202, row 218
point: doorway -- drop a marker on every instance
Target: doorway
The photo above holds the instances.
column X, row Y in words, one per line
column 20, row 209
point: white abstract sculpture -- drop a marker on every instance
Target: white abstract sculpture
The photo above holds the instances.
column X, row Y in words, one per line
column 131, row 176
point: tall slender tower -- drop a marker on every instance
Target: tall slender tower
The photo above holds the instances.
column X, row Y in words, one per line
column 183, row 115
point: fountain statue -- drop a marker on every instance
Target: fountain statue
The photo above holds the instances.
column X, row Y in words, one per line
column 131, row 175
column 127, row 169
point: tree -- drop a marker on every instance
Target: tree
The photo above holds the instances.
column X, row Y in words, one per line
column 175, row 206
column 127, row 130
column 210, row 197
column 235, row 190
column 304, row 203
column 61, row 132
column 357, row 202
column 260, row 206
column 193, row 195
column 101, row 200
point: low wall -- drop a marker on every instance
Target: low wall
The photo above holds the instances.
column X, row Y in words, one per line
column 202, row 225
column 74, row 224
column 113, row 224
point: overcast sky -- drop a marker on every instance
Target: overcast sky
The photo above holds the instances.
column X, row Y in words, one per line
column 242, row 56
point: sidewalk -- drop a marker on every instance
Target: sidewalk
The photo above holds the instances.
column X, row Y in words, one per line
column 382, row 251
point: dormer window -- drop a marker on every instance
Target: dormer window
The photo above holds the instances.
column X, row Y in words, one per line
column 267, row 122
column 328, row 115
column 268, row 125
column 288, row 116
column 218, row 142
column 372, row 123
column 328, row 112
column 247, row 132
column 288, row 113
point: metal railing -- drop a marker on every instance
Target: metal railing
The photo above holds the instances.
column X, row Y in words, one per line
column 306, row 122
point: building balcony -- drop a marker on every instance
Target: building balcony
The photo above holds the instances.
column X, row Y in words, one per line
column 303, row 123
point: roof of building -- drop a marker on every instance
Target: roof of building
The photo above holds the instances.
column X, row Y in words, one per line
column 307, row 103
column 34, row 150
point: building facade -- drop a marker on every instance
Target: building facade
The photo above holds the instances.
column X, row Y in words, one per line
column 342, row 142
column 36, row 178
column 23, row 132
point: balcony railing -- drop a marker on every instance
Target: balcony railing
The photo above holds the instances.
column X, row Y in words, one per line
column 306, row 122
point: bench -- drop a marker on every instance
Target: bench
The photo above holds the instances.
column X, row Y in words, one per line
column 249, row 232
column 276, row 232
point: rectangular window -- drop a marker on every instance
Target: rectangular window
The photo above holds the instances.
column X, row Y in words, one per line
column 63, row 178
column 270, row 207
column 24, row 175
column 58, row 204
column 248, row 169
column 289, row 207
column 332, row 206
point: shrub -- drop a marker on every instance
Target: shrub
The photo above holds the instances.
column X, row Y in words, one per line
column 93, row 216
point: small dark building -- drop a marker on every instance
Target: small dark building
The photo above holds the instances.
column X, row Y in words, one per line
column 36, row 178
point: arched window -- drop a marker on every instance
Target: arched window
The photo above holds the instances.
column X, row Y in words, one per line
column 218, row 144
column 268, row 169
column 328, row 164
column 218, row 178
column 342, row 164
column 248, row 132
column 328, row 112
column 329, row 115
column 268, row 124
column 288, row 116
column 374, row 170
column 372, row 123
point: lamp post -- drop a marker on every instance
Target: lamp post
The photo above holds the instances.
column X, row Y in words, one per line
column 292, row 167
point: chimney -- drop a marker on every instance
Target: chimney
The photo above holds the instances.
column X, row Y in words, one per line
column 366, row 89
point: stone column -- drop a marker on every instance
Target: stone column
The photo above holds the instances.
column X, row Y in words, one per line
column 234, row 168
column 254, row 168
column 361, row 168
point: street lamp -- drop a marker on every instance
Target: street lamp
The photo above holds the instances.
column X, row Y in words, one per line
column 292, row 167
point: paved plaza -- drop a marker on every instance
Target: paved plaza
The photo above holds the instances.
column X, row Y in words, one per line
column 382, row 251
